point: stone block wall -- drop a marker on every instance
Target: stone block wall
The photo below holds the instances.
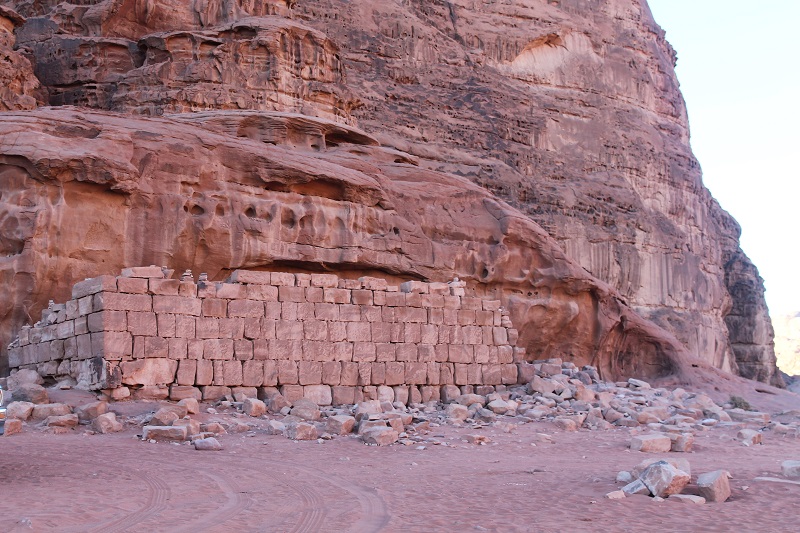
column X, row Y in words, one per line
column 314, row 335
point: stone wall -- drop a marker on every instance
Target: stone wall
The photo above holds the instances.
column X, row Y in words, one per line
column 314, row 335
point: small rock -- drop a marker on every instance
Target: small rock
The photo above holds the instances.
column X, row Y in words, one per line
column 90, row 411
column 64, row 421
column 687, row 498
column 616, row 495
column 12, row 426
column 191, row 404
column 106, row 423
column 654, row 443
column 478, row 439
column 19, row 410
column 42, row 411
column 253, row 407
column 499, row 407
column 306, row 413
column 164, row 417
column 340, row 424
column 24, row 377
column 639, row 384
column 278, row 402
column 213, row 427
column 30, row 392
column 192, row 426
column 381, row 436
column 636, row 487
column 567, row 424
column 791, row 468
column 749, row 437
column 302, row 431
column 470, row 399
column 165, row 433
column 714, row 486
column 274, row 427
column 682, row 442
column 663, row 479
column 369, row 407
column 624, row 477
column 209, row 444
column 457, row 411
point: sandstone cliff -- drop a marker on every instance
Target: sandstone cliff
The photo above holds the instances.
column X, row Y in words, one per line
column 568, row 111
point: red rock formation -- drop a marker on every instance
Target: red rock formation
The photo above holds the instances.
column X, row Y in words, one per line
column 19, row 88
column 569, row 111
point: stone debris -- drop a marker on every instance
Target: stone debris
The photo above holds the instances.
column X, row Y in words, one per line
column 107, row 423
column 655, row 443
column 253, row 407
column 30, row 392
column 165, row 433
column 714, row 486
column 19, row 410
column 12, row 426
column 191, row 404
column 749, row 437
column 791, row 469
column 209, row 444
column 90, row 411
column 380, row 436
column 302, row 431
column 65, row 421
column 616, row 495
column 662, row 479
column 164, row 417
column 687, row 498
column 42, row 411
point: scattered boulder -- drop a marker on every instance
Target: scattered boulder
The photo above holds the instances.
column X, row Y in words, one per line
column 681, row 442
column 12, row 426
column 64, row 421
column 192, row 426
column 90, row 411
column 164, row 417
column 749, row 437
column 687, row 498
column 380, row 436
column 191, row 404
column 275, row 428
column 791, row 469
column 662, row 479
column 340, row 424
column 42, row 411
column 165, row 433
column 277, row 403
column 19, row 410
column 30, row 392
column 24, row 376
column 653, row 443
column 302, row 431
column 306, row 409
column 209, row 444
column 636, row 487
column 253, row 407
column 456, row 411
column 714, row 486
column 106, row 423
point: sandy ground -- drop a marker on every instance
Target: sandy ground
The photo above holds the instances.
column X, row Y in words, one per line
column 77, row 482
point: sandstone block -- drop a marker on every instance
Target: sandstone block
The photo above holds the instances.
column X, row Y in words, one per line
column 93, row 286
column 251, row 276
column 687, row 498
column 749, row 437
column 151, row 371
column 380, row 436
column 164, row 417
column 208, row 444
column 340, row 424
column 654, row 443
column 714, row 486
column 45, row 410
column 30, row 392
column 343, row 395
column 457, row 411
column 277, row 403
column 106, row 423
column 180, row 393
column 151, row 392
column 662, row 479
column 214, row 392
column 254, row 407
column 191, row 405
column 636, row 487
column 616, row 495
column 12, row 426
column 64, row 421
column 302, row 431
column 92, row 410
column 19, row 410
column 319, row 394
column 165, row 433
column 790, row 469
column 682, row 442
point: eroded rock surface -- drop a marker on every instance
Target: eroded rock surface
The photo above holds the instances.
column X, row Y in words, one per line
column 569, row 112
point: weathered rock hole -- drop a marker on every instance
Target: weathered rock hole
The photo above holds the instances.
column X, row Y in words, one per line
column 220, row 211
column 196, row 211
column 288, row 218
column 321, row 188
column 250, row 212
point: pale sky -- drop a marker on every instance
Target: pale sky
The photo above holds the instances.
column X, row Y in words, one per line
column 739, row 69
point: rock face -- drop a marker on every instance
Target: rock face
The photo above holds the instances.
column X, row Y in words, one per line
column 520, row 142
column 19, row 87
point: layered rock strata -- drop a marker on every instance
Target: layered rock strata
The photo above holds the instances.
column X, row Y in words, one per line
column 569, row 111
column 311, row 332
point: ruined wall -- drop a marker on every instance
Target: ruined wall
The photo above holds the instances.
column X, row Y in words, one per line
column 311, row 334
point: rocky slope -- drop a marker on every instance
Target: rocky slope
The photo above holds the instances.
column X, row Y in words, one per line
column 568, row 111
